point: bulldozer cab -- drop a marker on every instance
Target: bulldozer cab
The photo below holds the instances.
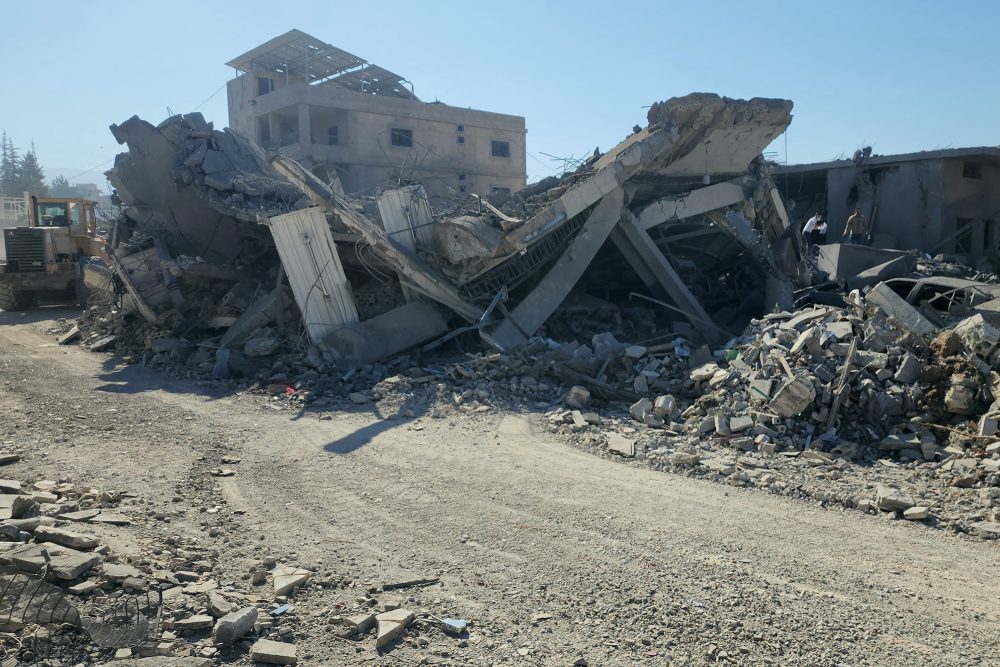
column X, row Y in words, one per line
column 76, row 214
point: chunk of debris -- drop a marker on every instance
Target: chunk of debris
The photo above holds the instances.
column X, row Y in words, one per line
column 273, row 653
column 287, row 579
column 619, row 444
column 889, row 499
column 794, row 396
column 65, row 538
column 904, row 314
column 391, row 625
column 234, row 625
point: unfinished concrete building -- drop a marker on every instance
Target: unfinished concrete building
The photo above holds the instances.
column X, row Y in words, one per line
column 936, row 201
column 339, row 115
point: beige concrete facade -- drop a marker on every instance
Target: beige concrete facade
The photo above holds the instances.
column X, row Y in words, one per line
column 373, row 140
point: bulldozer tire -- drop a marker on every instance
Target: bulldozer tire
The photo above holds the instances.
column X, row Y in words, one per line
column 11, row 299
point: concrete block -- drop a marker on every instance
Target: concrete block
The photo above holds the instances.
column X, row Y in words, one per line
column 287, row 579
column 273, row 653
column 391, row 625
column 619, row 444
column 664, row 406
column 910, row 369
column 899, row 267
column 639, row 409
column 233, row 626
column 386, row 334
column 760, row 390
column 896, row 307
column 842, row 261
column 978, row 335
column 793, row 397
column 65, row 537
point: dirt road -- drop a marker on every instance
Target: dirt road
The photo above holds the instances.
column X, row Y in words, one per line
column 554, row 555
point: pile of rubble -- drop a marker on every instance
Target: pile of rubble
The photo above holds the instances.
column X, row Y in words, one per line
column 227, row 259
column 869, row 406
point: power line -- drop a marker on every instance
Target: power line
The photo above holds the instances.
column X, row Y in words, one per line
column 207, row 99
column 95, row 167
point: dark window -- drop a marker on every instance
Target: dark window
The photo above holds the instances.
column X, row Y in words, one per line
column 461, row 188
column 500, row 148
column 264, row 85
column 401, row 137
column 963, row 238
column 332, row 136
column 52, row 215
column 501, row 191
column 461, row 177
column 970, row 170
column 461, row 140
column 461, row 128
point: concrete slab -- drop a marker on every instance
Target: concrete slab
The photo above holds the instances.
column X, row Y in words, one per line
column 843, row 261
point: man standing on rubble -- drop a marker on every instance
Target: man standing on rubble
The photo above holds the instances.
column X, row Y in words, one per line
column 856, row 230
column 812, row 229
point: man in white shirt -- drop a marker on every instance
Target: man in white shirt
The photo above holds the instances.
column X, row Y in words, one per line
column 809, row 232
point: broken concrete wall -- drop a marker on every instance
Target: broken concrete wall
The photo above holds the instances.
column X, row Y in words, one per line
column 197, row 188
column 904, row 202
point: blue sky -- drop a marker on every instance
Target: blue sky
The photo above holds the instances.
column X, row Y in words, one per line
column 899, row 76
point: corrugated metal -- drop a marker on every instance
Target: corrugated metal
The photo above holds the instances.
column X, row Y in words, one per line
column 314, row 271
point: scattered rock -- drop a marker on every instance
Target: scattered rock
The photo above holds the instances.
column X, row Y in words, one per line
column 916, row 513
column 889, row 499
column 619, row 444
column 65, row 538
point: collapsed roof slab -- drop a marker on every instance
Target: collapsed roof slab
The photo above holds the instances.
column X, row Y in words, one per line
column 740, row 130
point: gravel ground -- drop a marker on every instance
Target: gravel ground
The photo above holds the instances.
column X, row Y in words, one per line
column 554, row 555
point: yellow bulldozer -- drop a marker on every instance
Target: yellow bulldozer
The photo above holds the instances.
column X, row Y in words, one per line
column 53, row 256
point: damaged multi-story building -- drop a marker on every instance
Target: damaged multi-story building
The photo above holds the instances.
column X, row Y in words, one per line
column 341, row 116
column 942, row 201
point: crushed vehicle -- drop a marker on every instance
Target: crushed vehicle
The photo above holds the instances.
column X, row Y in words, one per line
column 951, row 295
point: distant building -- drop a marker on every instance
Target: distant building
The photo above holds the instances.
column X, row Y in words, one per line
column 338, row 114
column 937, row 201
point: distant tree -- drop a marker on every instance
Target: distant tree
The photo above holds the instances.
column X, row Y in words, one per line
column 10, row 167
column 31, row 177
column 60, row 187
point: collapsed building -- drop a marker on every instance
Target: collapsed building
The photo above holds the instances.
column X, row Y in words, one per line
column 682, row 212
column 656, row 283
